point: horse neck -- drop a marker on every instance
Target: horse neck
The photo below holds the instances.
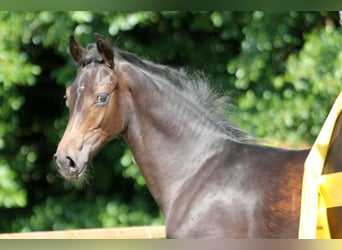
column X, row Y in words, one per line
column 170, row 146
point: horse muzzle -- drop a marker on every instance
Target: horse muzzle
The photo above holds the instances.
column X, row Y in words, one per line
column 69, row 168
column 74, row 155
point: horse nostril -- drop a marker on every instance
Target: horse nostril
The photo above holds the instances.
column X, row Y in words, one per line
column 70, row 162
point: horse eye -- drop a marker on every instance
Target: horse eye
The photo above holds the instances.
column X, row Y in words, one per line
column 101, row 99
column 99, row 61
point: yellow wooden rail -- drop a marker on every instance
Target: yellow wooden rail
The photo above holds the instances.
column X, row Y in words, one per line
column 141, row 232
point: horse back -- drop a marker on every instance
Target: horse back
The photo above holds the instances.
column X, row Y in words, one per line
column 250, row 191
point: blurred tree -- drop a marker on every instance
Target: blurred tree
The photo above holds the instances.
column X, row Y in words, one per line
column 274, row 41
column 283, row 70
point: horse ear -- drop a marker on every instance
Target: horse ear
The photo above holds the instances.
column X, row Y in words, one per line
column 104, row 49
column 76, row 50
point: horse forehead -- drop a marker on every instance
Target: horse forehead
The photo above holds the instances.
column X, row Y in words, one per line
column 90, row 77
column 102, row 76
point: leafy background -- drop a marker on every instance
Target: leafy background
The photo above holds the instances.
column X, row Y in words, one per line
column 282, row 70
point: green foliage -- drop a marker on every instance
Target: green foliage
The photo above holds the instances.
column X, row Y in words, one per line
column 60, row 213
column 314, row 74
column 283, row 70
column 131, row 169
column 274, row 79
column 15, row 71
column 11, row 195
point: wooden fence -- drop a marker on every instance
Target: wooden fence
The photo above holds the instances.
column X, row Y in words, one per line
column 141, row 232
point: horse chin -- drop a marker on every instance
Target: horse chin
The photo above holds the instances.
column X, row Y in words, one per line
column 82, row 174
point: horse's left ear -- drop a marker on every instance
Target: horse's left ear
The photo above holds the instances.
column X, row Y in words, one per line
column 104, row 49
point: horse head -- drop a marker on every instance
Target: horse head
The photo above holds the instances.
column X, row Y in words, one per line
column 95, row 108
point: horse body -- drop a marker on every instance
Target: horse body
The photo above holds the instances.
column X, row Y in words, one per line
column 227, row 191
column 209, row 179
column 236, row 200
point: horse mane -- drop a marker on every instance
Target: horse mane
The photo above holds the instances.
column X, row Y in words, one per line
column 194, row 87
